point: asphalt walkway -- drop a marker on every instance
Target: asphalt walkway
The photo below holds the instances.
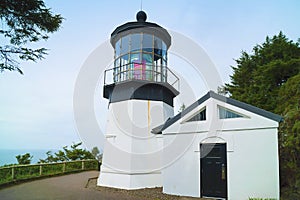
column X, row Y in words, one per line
column 62, row 187
column 80, row 186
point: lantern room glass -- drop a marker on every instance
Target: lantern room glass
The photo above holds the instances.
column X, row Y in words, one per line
column 140, row 56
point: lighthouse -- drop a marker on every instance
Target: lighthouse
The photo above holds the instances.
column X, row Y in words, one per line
column 140, row 89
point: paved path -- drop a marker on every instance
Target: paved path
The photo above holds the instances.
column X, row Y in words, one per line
column 62, row 187
column 73, row 187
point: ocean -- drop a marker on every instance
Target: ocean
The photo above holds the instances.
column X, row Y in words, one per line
column 8, row 156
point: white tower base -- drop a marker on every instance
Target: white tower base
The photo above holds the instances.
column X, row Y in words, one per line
column 132, row 154
column 130, row 181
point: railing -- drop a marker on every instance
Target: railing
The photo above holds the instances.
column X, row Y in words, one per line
column 22, row 172
column 141, row 71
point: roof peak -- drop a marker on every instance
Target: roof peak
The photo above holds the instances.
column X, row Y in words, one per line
column 212, row 94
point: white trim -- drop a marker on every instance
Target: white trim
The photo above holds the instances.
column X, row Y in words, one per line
column 185, row 133
column 136, row 173
column 247, row 129
column 215, row 139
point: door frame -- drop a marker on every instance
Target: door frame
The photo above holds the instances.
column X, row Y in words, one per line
column 226, row 169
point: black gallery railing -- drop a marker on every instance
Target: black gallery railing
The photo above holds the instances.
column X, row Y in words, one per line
column 141, row 71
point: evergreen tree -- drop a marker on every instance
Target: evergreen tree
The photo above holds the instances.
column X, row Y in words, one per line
column 257, row 78
column 289, row 136
column 24, row 22
column 270, row 79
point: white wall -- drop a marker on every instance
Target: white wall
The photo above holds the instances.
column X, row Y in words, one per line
column 253, row 167
column 181, row 177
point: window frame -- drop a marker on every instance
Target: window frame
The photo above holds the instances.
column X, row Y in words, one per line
column 242, row 116
column 196, row 113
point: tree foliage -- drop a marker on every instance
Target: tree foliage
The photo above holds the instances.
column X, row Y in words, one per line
column 23, row 22
column 97, row 154
column 68, row 154
column 270, row 79
column 182, row 107
column 289, row 135
column 257, row 78
column 24, row 159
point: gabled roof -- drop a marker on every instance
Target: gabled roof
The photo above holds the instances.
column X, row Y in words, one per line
column 211, row 94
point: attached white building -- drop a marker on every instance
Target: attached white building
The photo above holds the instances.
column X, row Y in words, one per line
column 223, row 148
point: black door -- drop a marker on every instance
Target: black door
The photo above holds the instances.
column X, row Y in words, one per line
column 213, row 172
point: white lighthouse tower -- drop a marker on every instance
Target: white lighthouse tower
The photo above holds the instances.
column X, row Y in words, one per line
column 140, row 89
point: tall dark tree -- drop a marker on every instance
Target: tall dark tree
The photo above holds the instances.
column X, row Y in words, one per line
column 257, row 78
column 270, row 79
column 289, row 136
column 24, row 22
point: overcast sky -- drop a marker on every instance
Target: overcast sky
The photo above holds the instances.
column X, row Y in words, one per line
column 36, row 109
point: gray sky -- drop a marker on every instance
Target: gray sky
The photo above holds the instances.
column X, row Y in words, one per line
column 36, row 109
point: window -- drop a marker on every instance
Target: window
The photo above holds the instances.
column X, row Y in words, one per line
column 147, row 43
column 227, row 114
column 118, row 48
column 157, row 48
column 164, row 51
column 135, row 58
column 136, row 42
column 201, row 116
column 117, row 70
column 125, row 45
column 140, row 56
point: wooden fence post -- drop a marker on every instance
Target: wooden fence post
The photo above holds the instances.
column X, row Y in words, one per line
column 64, row 167
column 82, row 165
column 41, row 170
column 13, row 173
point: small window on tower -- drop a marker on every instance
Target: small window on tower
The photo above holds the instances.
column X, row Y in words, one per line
column 200, row 116
column 228, row 114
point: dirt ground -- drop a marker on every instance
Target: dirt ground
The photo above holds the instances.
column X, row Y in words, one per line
column 141, row 194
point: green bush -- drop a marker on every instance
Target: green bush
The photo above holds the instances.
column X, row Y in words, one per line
column 27, row 172
column 73, row 166
column 92, row 164
column 5, row 175
column 52, row 169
